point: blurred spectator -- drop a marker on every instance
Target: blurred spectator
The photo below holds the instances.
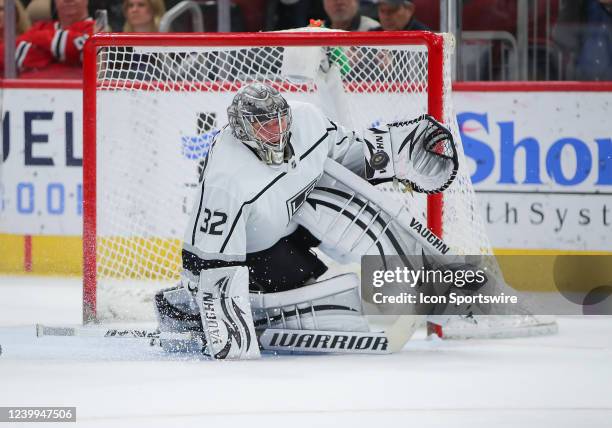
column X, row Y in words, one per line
column 53, row 49
column 584, row 33
column 142, row 16
column 398, row 15
column 22, row 21
column 40, row 10
column 344, row 15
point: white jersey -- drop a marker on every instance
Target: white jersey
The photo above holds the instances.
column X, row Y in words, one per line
column 244, row 205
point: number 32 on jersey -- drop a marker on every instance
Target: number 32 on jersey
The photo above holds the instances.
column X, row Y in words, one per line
column 213, row 222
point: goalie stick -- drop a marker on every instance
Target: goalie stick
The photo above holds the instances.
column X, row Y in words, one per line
column 271, row 339
column 131, row 333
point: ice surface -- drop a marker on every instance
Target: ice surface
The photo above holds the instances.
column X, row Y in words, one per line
column 558, row 381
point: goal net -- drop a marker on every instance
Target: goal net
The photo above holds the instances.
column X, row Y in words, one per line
column 154, row 103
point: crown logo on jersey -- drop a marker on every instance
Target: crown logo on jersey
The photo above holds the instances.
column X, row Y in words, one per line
column 298, row 200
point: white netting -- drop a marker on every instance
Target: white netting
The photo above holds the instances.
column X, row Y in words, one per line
column 463, row 227
column 159, row 107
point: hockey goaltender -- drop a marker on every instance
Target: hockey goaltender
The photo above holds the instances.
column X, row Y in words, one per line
column 279, row 180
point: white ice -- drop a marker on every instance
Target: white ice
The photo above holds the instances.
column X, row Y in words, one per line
column 557, row 381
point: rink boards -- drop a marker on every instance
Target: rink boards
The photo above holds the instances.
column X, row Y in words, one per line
column 543, row 182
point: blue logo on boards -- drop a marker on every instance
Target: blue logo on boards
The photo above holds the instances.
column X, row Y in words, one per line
column 196, row 147
column 595, row 162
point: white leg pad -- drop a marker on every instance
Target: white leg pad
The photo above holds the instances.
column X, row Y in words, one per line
column 223, row 299
column 333, row 304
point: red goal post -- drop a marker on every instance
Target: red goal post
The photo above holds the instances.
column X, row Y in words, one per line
column 97, row 107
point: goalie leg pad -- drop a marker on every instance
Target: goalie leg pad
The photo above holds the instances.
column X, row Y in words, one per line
column 333, row 304
column 177, row 311
column 223, row 299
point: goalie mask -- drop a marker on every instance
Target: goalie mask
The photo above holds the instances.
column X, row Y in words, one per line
column 260, row 117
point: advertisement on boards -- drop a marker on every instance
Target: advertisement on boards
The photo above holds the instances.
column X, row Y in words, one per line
column 42, row 155
column 541, row 164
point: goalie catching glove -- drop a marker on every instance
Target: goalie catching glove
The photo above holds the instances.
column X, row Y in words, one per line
column 420, row 153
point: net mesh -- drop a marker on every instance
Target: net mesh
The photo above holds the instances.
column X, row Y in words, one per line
column 158, row 109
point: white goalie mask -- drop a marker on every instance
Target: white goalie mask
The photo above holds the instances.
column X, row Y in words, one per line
column 260, row 117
